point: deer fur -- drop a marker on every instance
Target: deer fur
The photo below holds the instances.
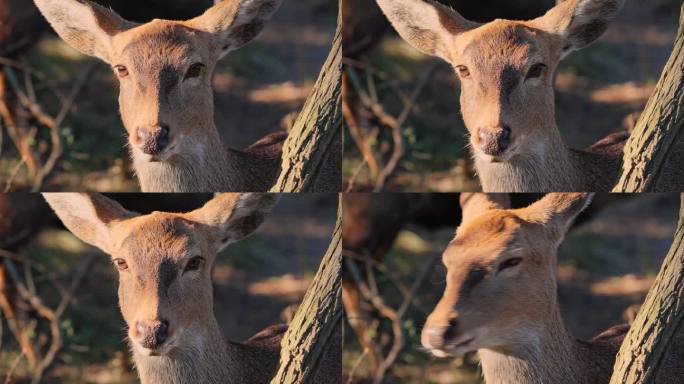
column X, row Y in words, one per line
column 165, row 70
column 156, row 284
column 507, row 70
column 508, row 312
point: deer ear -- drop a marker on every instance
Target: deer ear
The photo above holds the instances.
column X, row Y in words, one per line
column 234, row 216
column 475, row 204
column 85, row 26
column 579, row 22
column 235, row 23
column 556, row 212
column 88, row 216
column 426, row 25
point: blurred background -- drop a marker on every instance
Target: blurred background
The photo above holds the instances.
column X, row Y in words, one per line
column 257, row 90
column 49, row 278
column 599, row 90
column 607, row 264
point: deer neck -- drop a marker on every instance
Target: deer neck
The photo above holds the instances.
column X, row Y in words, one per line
column 552, row 168
column 544, row 353
column 206, row 360
column 556, row 167
column 211, row 167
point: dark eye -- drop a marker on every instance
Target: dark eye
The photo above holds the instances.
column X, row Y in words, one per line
column 121, row 264
column 510, row 263
column 193, row 264
column 121, row 71
column 536, row 71
column 194, row 71
column 463, row 71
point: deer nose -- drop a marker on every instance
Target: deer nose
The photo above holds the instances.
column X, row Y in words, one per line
column 154, row 139
column 494, row 141
column 438, row 337
column 152, row 334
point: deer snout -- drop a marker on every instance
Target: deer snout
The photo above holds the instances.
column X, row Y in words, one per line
column 152, row 140
column 438, row 337
column 151, row 334
column 493, row 141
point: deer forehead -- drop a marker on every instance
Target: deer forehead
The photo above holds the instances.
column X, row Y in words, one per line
column 485, row 239
column 501, row 44
column 150, row 240
column 160, row 43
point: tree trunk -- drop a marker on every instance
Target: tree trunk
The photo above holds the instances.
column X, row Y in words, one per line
column 312, row 154
column 653, row 351
column 655, row 151
column 311, row 348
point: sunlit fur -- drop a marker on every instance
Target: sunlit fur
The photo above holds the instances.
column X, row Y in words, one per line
column 496, row 92
column 155, row 285
column 510, row 316
column 155, row 91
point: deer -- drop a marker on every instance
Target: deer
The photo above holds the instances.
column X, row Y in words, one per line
column 165, row 70
column 507, row 70
column 371, row 223
column 501, row 296
column 165, row 262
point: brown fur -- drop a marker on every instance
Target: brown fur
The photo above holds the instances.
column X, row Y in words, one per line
column 510, row 314
column 269, row 146
column 155, row 286
column 499, row 92
column 156, row 92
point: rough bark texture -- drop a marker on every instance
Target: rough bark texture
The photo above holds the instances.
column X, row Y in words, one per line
column 312, row 154
column 654, row 348
column 655, row 152
column 311, row 348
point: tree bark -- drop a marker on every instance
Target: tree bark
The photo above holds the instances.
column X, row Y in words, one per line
column 311, row 348
column 654, row 154
column 312, row 154
column 653, row 351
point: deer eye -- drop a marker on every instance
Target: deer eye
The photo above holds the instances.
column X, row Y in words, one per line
column 121, row 264
column 536, row 71
column 121, row 71
column 193, row 264
column 463, row 71
column 510, row 263
column 194, row 71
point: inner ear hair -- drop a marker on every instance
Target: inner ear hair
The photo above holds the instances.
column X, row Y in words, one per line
column 249, row 213
column 426, row 25
column 475, row 204
column 557, row 211
column 89, row 216
column 234, row 216
column 579, row 22
column 84, row 25
column 236, row 22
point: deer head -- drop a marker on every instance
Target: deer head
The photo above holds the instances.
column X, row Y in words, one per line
column 165, row 68
column 500, row 284
column 506, row 67
column 165, row 260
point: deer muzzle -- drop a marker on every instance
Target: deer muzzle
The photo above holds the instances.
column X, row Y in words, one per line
column 493, row 141
column 151, row 335
column 152, row 140
column 446, row 340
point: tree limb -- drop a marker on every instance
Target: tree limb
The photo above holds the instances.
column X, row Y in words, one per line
column 651, row 352
column 654, row 153
column 312, row 344
column 312, row 153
